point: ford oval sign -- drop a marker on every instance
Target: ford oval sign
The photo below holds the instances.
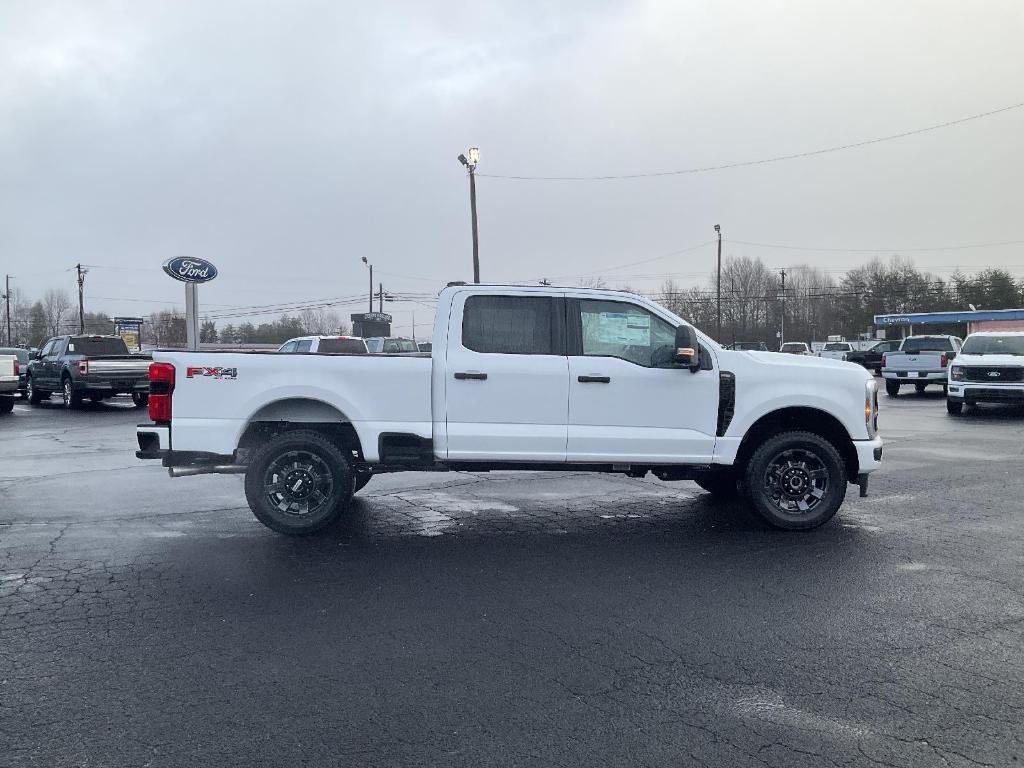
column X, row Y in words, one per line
column 190, row 270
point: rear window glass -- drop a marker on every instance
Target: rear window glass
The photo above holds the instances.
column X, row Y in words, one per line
column 994, row 345
column 341, row 345
column 793, row 347
column 399, row 345
column 927, row 344
column 837, row 347
column 97, row 347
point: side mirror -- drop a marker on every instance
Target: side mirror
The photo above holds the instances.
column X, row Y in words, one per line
column 950, row 355
column 687, row 349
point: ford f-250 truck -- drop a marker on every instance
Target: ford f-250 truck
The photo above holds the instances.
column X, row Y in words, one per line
column 96, row 367
column 533, row 378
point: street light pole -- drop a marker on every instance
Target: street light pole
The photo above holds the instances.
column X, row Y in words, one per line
column 81, row 298
column 718, row 299
column 471, row 163
column 7, row 298
column 371, row 282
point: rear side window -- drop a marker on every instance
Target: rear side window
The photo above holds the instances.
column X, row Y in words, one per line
column 288, row 348
column 352, row 346
column 509, row 325
column 936, row 344
column 304, row 346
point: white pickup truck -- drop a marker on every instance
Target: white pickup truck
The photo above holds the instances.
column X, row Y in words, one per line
column 989, row 369
column 920, row 360
column 10, row 376
column 531, row 378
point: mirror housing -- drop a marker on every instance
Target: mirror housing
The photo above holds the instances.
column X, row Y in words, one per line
column 687, row 349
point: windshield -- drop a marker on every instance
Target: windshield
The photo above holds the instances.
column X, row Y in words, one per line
column 21, row 354
column 837, row 347
column 913, row 346
column 96, row 347
column 994, row 345
column 793, row 347
column 341, row 345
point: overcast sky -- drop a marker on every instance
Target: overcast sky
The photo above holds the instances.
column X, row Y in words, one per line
column 285, row 140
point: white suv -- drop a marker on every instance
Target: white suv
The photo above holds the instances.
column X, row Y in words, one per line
column 324, row 345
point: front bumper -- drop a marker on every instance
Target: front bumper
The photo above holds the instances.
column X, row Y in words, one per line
column 869, row 454
column 961, row 392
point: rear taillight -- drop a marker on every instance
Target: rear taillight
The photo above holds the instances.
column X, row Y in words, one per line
column 945, row 360
column 83, row 367
column 161, row 389
column 883, row 359
column 17, row 368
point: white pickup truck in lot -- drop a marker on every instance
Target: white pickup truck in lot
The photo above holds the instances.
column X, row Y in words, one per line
column 989, row 369
column 529, row 378
column 920, row 360
column 10, row 376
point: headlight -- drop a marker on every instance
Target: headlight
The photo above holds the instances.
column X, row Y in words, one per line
column 871, row 408
column 956, row 373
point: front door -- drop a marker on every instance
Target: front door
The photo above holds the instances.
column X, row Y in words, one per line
column 506, row 378
column 627, row 402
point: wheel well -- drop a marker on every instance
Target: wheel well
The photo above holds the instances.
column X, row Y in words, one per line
column 806, row 420
column 291, row 414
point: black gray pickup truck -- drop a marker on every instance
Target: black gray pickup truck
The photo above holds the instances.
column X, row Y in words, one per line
column 94, row 367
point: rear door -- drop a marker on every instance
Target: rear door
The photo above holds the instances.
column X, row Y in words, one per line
column 627, row 402
column 506, row 378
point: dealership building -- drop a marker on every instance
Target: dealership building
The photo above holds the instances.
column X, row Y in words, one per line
column 972, row 321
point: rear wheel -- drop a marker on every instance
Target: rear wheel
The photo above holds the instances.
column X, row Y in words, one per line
column 892, row 388
column 953, row 407
column 720, row 483
column 298, row 483
column 71, row 398
column 920, row 388
column 6, row 403
column 796, row 480
column 141, row 399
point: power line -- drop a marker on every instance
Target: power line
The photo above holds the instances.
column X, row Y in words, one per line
column 762, row 161
column 878, row 250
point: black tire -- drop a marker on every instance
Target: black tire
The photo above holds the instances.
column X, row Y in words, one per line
column 919, row 388
column 96, row 398
column 6, row 403
column 794, row 469
column 892, row 388
column 953, row 407
column 35, row 397
column 362, row 478
column 720, row 483
column 141, row 399
column 318, row 463
column 72, row 399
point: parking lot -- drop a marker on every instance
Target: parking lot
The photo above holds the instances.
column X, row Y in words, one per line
column 510, row 619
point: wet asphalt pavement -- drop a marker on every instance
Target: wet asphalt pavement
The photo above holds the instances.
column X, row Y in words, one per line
column 510, row 619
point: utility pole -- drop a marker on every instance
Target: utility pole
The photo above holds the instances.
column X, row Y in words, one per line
column 718, row 299
column 371, row 283
column 782, row 336
column 7, row 298
column 380, row 304
column 81, row 297
column 471, row 163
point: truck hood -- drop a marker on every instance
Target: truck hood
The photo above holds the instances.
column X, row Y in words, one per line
column 1009, row 360
column 791, row 361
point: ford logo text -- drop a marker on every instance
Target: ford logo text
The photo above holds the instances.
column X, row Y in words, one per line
column 190, row 270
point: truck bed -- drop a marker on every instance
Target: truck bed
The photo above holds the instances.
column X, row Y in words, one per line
column 221, row 391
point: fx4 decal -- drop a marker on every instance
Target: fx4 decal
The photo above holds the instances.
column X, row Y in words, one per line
column 213, row 373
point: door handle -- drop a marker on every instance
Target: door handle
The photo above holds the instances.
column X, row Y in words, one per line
column 475, row 375
column 594, row 379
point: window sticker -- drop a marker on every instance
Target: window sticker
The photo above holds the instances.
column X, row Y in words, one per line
column 623, row 328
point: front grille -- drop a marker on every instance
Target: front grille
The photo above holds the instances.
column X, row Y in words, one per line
column 994, row 394
column 993, row 375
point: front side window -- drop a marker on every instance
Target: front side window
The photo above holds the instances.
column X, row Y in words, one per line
column 624, row 330
column 288, row 348
column 45, row 351
column 509, row 325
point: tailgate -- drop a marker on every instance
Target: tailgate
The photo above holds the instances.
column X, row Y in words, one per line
column 926, row 361
column 119, row 369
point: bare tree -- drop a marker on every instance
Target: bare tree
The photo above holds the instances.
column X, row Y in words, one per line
column 322, row 322
column 56, row 304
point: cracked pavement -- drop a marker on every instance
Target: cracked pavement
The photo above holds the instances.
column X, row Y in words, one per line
column 510, row 619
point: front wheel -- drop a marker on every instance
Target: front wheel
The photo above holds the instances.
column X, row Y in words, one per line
column 35, row 397
column 954, row 408
column 892, row 388
column 141, row 399
column 298, row 483
column 796, row 480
